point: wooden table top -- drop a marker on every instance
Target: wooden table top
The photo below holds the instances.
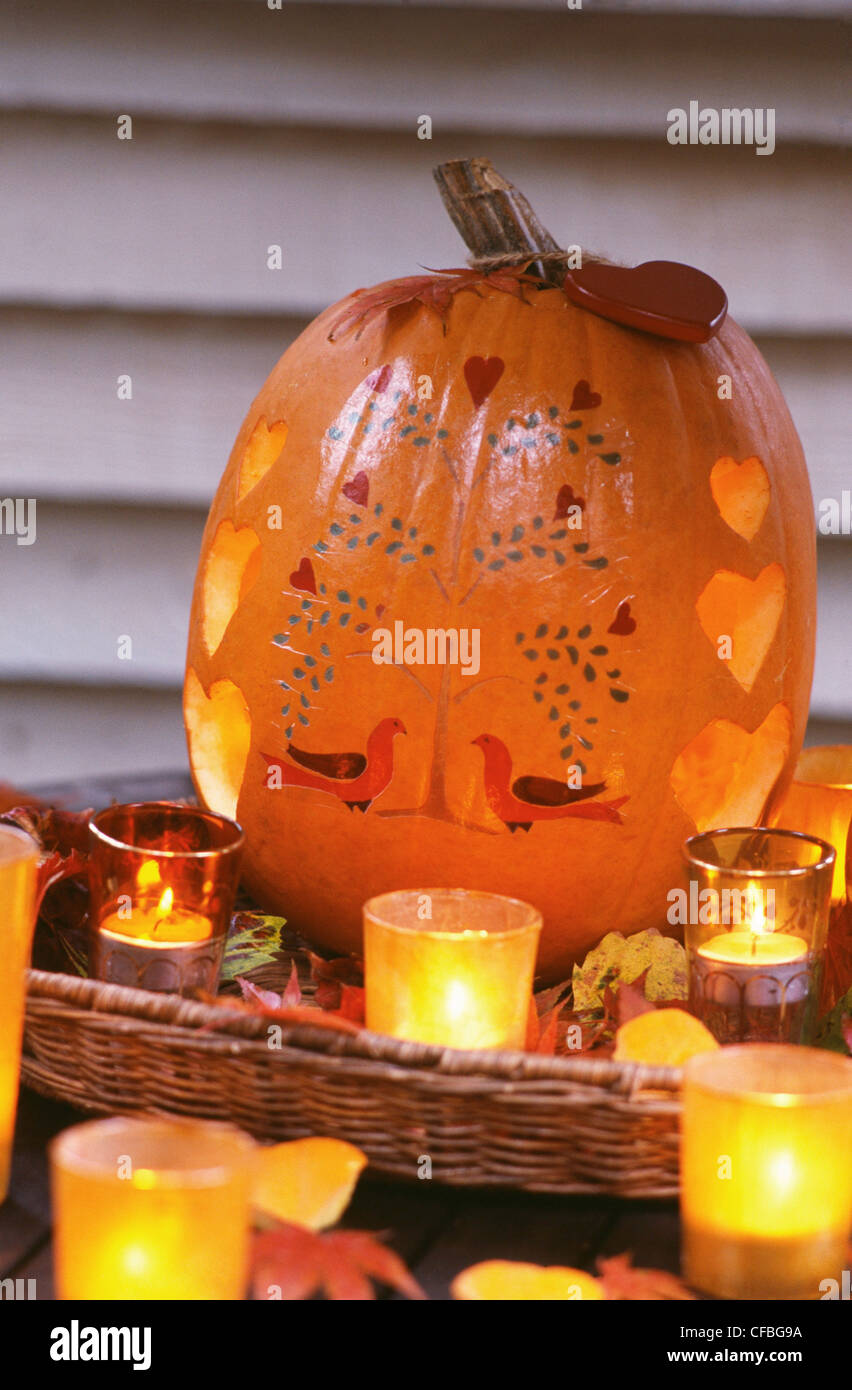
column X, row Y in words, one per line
column 438, row 1231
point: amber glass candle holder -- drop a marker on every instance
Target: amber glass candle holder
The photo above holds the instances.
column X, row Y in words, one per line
column 766, row 1181
column 162, row 884
column 758, row 902
column 151, row 1209
column 449, row 966
column 18, row 864
column 819, row 802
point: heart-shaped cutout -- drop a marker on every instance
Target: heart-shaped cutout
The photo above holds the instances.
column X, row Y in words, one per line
column 218, row 728
column 725, row 775
column 741, row 491
column 357, row 489
column 623, row 623
column 482, row 375
column 740, row 616
column 666, row 298
column 584, row 398
column 303, row 578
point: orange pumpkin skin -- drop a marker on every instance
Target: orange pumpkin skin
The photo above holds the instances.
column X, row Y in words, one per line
column 468, row 497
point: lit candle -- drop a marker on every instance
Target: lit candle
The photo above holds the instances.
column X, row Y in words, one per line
column 449, row 966
column 766, row 1182
column 18, row 862
column 757, row 978
column 162, row 884
column 151, row 1209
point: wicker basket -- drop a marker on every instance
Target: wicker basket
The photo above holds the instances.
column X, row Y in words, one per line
column 485, row 1119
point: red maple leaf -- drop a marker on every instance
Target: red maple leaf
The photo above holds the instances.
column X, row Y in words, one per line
column 621, row 1281
column 63, row 840
column 291, row 1262
column 434, row 290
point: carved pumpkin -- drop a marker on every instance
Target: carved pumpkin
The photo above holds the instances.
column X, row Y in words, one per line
column 633, row 547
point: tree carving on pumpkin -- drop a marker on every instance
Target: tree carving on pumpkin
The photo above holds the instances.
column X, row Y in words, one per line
column 325, row 613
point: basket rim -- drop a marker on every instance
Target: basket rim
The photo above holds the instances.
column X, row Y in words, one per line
column 73, row 994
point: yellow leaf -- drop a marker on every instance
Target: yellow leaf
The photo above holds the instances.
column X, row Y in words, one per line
column 509, row 1280
column 308, row 1182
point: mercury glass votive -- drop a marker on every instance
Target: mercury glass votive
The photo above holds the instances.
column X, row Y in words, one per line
column 757, row 917
column 18, row 866
column 162, row 884
column 151, row 1209
column 766, row 1178
column 450, row 966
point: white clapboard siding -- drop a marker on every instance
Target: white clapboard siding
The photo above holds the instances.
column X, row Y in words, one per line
column 94, row 576
column 49, row 733
column 832, row 692
column 588, row 74
column 193, row 379
column 182, row 215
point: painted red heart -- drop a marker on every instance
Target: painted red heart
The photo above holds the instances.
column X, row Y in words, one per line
column 565, row 499
column 303, row 577
column 482, row 375
column 357, row 489
column 622, row 624
column 380, row 380
column 665, row 298
column 584, row 398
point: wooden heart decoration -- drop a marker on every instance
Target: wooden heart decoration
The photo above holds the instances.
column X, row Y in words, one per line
column 623, row 623
column 725, row 774
column 357, row 490
column 747, row 612
column 482, row 375
column 741, row 491
column 584, row 398
column 303, row 577
column 665, row 298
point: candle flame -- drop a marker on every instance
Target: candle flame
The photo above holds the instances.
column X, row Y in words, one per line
column 166, row 903
column 756, row 913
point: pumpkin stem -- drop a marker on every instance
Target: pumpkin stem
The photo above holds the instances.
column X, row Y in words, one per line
column 495, row 220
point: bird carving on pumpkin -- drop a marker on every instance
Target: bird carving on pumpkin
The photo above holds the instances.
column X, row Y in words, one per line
column 526, row 799
column 356, row 779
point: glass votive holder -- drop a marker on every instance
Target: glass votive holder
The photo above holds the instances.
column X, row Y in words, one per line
column 151, row 1209
column 450, row 966
column 819, row 802
column 162, row 881
column 18, row 866
column 757, row 916
column 766, row 1181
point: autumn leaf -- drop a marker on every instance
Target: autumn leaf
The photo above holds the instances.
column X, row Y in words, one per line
column 622, row 1281
column 835, row 1029
column 254, row 940
column 291, row 1262
column 331, row 975
column 620, row 960
column 268, row 1004
column 434, row 290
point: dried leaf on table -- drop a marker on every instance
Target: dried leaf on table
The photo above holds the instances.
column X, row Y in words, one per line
column 254, row 940
column 620, row 960
column 291, row 1262
column 267, row 1004
column 622, row 1281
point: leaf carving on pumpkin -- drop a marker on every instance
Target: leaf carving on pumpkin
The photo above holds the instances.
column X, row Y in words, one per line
column 435, row 290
